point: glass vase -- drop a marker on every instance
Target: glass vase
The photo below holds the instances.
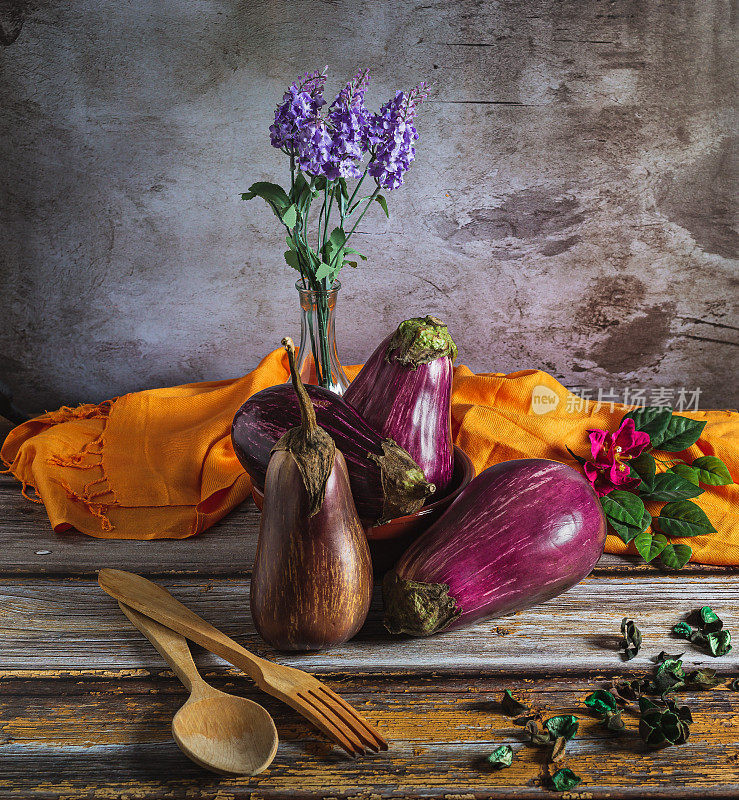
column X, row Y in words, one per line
column 318, row 361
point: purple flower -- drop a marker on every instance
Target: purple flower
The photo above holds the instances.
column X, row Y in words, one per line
column 301, row 105
column 391, row 134
column 350, row 121
column 313, row 147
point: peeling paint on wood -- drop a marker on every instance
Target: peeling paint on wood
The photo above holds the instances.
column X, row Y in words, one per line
column 439, row 735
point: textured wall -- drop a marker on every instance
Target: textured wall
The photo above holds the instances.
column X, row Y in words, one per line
column 570, row 207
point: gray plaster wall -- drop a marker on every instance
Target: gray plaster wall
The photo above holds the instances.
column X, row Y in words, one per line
column 570, row 207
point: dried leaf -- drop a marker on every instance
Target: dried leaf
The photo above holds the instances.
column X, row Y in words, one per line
column 512, row 707
column 719, row 644
column 605, row 704
column 710, row 620
column 670, row 676
column 659, row 727
column 564, row 779
column 704, row 679
column 631, row 638
column 501, row 757
column 602, row 702
column 683, row 631
column 536, row 735
column 558, row 751
column 564, row 725
column 663, row 656
column 627, row 692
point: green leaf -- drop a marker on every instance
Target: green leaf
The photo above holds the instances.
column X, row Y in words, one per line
column 291, row 258
column 334, row 244
column 680, row 434
column 670, row 676
column 290, row 216
column 275, row 195
column 501, row 757
column 675, row 556
column 652, row 420
column 580, row 460
column 645, row 467
column 602, row 702
column 323, row 271
column 624, row 508
column 626, row 533
column 669, row 486
column 650, row 546
column 564, row 779
column 684, row 518
column 719, row 643
column 712, row 471
column 685, row 471
column 352, row 251
column 683, row 631
column 300, row 187
column 564, row 725
column 290, row 241
column 383, row 203
column 352, row 264
column 631, row 641
column 710, row 621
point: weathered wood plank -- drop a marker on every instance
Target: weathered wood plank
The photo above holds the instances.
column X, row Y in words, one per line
column 73, row 625
column 91, row 737
column 28, row 546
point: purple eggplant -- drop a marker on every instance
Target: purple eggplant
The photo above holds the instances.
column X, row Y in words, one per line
column 312, row 581
column 404, row 391
column 520, row 533
column 385, row 481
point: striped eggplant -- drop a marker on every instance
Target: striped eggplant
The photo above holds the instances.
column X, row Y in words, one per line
column 385, row 481
column 312, row 580
column 404, row 391
column 520, row 533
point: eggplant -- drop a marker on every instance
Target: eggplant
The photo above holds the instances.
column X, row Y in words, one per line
column 404, row 391
column 520, row 533
column 312, row 581
column 386, row 482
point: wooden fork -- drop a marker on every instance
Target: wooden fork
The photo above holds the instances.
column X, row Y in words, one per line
column 308, row 696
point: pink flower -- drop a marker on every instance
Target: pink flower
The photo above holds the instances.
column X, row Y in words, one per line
column 608, row 470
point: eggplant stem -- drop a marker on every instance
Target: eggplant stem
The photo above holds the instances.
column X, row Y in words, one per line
column 307, row 412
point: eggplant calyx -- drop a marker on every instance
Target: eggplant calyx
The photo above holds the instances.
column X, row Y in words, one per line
column 415, row 607
column 404, row 486
column 311, row 447
column 420, row 340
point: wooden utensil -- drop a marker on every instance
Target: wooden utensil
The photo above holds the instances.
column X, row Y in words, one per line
column 308, row 696
column 226, row 734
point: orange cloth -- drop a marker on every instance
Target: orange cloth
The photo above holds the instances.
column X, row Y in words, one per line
column 159, row 463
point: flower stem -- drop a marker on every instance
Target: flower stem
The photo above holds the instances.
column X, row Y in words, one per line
column 364, row 211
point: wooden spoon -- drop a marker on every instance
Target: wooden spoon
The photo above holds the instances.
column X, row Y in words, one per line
column 226, row 734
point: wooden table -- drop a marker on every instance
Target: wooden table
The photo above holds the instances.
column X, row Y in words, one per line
column 86, row 702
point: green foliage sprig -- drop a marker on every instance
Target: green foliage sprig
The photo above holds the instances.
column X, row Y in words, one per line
column 676, row 486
